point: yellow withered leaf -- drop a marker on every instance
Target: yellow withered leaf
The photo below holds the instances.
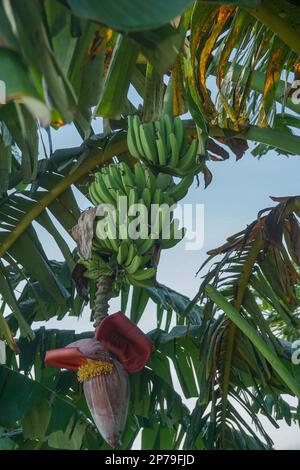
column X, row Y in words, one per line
column 179, row 102
column 235, row 35
column 276, row 58
column 222, row 16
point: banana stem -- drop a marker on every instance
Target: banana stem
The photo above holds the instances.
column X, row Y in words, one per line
column 102, row 297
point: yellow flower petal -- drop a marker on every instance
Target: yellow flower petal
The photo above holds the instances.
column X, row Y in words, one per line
column 93, row 368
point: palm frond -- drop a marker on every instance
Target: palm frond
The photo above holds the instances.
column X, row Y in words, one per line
column 257, row 269
column 236, row 47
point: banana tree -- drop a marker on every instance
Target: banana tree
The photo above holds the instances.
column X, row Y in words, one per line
column 77, row 62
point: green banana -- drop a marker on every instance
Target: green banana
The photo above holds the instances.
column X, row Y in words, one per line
column 148, row 145
column 130, row 255
column 113, row 241
column 96, row 244
column 102, row 192
column 104, row 240
column 93, row 195
column 127, row 177
column 140, row 179
column 96, row 197
column 144, row 274
column 145, row 260
column 172, row 241
column 114, row 244
column 146, row 196
column 122, row 252
column 169, row 130
column 110, row 186
column 158, row 197
column 174, row 158
column 115, row 177
column 162, row 143
column 163, row 181
column 188, row 161
column 101, row 245
column 131, row 141
column 166, row 244
column 158, row 221
column 150, row 180
column 134, row 265
column 145, row 246
column 161, row 130
column 133, row 197
column 179, row 132
column 151, row 137
column 180, row 190
column 146, row 283
column 161, row 151
column 136, row 128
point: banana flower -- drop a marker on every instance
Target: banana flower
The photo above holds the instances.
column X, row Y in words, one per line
column 102, row 365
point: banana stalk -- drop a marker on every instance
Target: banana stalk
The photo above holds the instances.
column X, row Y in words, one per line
column 102, row 297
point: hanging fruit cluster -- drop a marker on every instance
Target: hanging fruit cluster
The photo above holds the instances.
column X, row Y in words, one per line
column 163, row 143
column 161, row 150
column 132, row 258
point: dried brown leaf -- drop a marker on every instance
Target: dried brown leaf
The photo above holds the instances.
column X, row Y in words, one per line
column 207, row 176
column 237, row 146
column 292, row 237
column 81, row 281
column 214, row 147
column 83, row 232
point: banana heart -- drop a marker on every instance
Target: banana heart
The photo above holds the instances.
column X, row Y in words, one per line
column 102, row 365
column 105, row 383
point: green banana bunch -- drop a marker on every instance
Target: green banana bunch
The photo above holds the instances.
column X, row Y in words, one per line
column 142, row 277
column 110, row 183
column 131, row 259
column 134, row 263
column 118, row 180
column 96, row 267
column 164, row 144
column 139, row 185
